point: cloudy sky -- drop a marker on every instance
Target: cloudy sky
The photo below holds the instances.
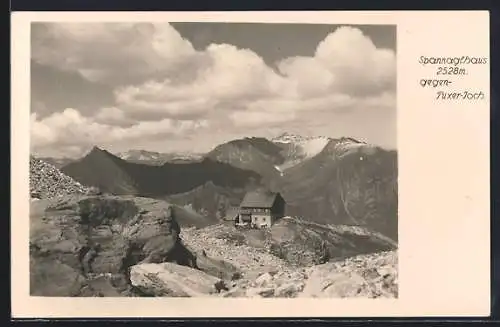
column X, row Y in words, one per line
column 191, row 86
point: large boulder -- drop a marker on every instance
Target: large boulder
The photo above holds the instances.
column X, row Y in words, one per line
column 169, row 279
column 50, row 277
column 119, row 232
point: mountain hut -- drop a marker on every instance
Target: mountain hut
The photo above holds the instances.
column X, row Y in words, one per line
column 261, row 209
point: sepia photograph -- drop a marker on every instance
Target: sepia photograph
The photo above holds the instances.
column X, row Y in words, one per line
column 250, row 164
column 213, row 159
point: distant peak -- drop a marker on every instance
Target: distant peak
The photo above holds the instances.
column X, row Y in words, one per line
column 284, row 135
column 97, row 150
column 350, row 140
column 255, row 138
column 287, row 137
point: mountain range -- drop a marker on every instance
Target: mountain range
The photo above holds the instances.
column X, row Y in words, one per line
column 112, row 174
column 323, row 180
column 158, row 158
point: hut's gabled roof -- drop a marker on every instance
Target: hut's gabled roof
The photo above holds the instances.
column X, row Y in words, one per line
column 258, row 199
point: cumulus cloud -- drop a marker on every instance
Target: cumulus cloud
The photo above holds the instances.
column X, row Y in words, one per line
column 69, row 130
column 346, row 64
column 153, row 100
column 166, row 86
column 114, row 53
column 257, row 118
column 359, row 67
column 112, row 116
column 229, row 76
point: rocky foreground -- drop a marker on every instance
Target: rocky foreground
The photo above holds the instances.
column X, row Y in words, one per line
column 102, row 245
column 84, row 245
column 266, row 275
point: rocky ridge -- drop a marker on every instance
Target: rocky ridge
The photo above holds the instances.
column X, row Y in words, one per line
column 46, row 181
column 266, row 275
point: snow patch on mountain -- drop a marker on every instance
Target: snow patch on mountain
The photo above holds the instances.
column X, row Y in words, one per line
column 307, row 146
column 314, row 146
column 138, row 155
column 345, row 146
column 297, row 148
